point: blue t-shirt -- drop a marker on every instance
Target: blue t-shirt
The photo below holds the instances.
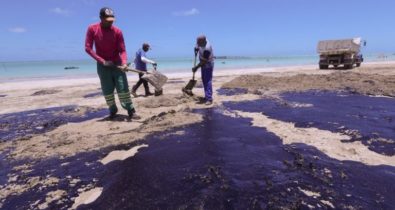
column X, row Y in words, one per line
column 139, row 64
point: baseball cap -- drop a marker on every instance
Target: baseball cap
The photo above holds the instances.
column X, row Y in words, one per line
column 146, row 45
column 107, row 13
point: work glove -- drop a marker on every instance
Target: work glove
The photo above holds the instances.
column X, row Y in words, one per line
column 194, row 69
column 108, row 64
column 154, row 65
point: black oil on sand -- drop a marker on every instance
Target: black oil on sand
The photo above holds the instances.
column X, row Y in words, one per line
column 225, row 163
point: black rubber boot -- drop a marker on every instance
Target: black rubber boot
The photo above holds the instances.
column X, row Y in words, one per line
column 132, row 115
column 133, row 91
column 113, row 113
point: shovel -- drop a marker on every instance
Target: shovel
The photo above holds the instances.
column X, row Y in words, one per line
column 188, row 88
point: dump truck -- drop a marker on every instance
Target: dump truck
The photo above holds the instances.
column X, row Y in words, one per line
column 343, row 52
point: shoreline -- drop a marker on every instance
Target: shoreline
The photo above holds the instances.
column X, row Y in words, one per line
column 62, row 81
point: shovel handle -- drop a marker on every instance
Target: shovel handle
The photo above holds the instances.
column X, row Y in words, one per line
column 133, row 70
column 137, row 71
column 194, row 64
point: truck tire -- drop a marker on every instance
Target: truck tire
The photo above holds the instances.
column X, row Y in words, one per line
column 348, row 66
column 335, row 66
column 358, row 64
column 324, row 66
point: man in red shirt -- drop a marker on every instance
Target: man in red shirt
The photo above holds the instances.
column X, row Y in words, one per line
column 110, row 53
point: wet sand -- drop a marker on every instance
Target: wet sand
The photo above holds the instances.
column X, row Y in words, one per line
column 59, row 149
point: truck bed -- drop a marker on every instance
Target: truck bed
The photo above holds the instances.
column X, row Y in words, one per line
column 339, row 46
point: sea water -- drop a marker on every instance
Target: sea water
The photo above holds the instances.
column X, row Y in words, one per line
column 18, row 70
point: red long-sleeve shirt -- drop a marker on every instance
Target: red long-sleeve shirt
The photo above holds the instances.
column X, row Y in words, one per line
column 109, row 44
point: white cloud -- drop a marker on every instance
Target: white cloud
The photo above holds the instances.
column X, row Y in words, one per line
column 60, row 11
column 190, row 12
column 17, row 30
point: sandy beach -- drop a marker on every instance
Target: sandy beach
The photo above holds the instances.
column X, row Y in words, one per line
column 60, row 151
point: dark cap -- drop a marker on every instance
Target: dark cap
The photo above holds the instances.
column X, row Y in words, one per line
column 107, row 13
column 146, row 45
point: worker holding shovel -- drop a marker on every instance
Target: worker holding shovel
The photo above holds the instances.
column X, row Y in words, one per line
column 206, row 58
column 110, row 53
column 140, row 63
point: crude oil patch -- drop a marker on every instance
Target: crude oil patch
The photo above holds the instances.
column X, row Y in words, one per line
column 45, row 92
column 1, row 96
column 72, row 174
column 5, row 168
column 23, row 124
column 232, row 91
column 91, row 95
column 370, row 120
column 211, row 165
column 232, row 165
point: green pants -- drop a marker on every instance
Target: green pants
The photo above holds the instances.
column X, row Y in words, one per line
column 110, row 79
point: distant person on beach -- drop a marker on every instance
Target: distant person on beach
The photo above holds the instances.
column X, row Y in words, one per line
column 140, row 62
column 111, row 61
column 206, row 58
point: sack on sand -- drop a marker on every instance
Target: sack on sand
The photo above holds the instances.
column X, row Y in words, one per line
column 156, row 79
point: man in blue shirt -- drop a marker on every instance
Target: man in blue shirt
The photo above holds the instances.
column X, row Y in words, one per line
column 140, row 62
column 206, row 58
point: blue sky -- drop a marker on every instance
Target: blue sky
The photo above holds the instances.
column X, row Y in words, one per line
column 55, row 29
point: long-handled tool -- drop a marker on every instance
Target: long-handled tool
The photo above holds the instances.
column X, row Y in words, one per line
column 188, row 88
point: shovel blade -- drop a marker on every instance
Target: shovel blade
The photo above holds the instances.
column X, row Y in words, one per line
column 188, row 88
column 190, row 84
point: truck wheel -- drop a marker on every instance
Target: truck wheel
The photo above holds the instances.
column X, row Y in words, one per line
column 348, row 66
column 335, row 66
column 358, row 64
column 324, row 66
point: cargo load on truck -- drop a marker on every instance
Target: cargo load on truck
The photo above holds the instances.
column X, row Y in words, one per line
column 345, row 52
